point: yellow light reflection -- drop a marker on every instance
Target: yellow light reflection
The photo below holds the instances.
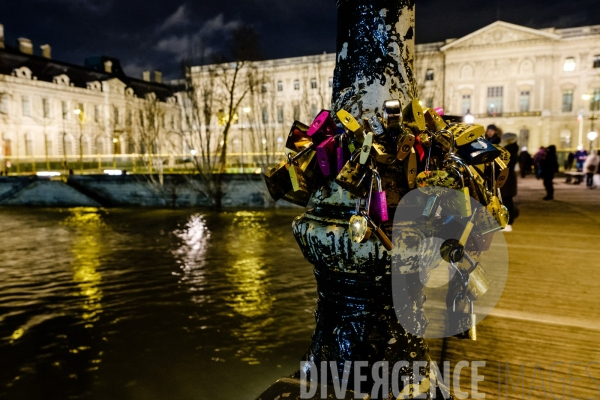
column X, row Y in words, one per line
column 86, row 249
column 251, row 287
column 192, row 255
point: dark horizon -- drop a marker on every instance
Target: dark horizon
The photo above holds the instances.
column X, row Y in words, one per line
column 156, row 34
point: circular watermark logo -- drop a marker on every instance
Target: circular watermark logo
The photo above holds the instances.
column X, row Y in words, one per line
column 449, row 263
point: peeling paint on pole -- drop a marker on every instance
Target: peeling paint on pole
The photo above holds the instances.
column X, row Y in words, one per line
column 375, row 47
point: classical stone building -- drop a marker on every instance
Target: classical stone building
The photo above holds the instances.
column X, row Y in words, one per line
column 540, row 84
column 52, row 111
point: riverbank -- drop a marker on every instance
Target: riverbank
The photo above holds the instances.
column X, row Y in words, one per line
column 172, row 191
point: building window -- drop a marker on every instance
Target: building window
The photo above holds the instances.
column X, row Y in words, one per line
column 116, row 115
column 280, row 86
column 313, row 83
column 49, row 146
column 264, row 87
column 495, row 100
column 280, row 114
column 567, row 100
column 28, row 144
column 595, row 100
column 26, row 106
column 429, row 76
column 466, row 104
column 429, row 102
column 597, row 61
column 141, row 117
column 46, row 107
column 330, row 82
column 3, row 103
column 296, row 112
column 99, row 145
column 265, row 115
column 296, row 84
column 524, row 101
column 96, row 113
column 65, row 109
column 569, row 65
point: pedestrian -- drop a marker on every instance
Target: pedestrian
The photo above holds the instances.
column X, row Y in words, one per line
column 590, row 166
column 537, row 161
column 493, row 134
column 509, row 190
column 549, row 167
column 580, row 156
column 525, row 162
column 569, row 162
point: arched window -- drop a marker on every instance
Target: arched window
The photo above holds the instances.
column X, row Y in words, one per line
column 99, row 145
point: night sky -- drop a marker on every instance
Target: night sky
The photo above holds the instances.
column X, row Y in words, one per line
column 156, row 34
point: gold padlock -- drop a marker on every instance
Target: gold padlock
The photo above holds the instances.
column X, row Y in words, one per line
column 406, row 141
column 353, row 127
column 433, row 120
column 413, row 117
column 501, row 171
column 383, row 154
column 366, row 148
column 498, row 211
column 465, row 133
column 411, row 169
column 278, row 180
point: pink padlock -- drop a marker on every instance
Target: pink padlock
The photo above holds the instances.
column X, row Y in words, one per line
column 326, row 156
column 439, row 111
column 322, row 127
column 379, row 209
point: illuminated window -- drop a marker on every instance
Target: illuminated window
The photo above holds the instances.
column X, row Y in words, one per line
column 466, row 104
column 524, row 101
column 569, row 65
column 3, row 103
column 65, row 109
column 96, row 113
column 296, row 112
column 296, row 84
column 280, row 114
column 495, row 100
column 280, row 86
column 429, row 102
column 26, row 105
column 313, row 83
column 46, row 107
column 330, row 82
column 595, row 100
column 264, row 87
column 314, row 110
column 567, row 100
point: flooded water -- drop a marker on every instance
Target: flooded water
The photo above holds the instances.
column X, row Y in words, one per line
column 150, row 304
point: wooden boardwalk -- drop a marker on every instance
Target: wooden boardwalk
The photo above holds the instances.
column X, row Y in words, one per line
column 549, row 312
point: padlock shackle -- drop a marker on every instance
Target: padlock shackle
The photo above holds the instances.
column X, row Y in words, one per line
column 452, row 141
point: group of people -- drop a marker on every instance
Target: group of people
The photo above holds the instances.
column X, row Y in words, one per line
column 584, row 162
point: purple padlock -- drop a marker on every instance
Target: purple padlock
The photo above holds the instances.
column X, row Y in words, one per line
column 326, row 156
column 379, row 209
column 342, row 153
column 322, row 127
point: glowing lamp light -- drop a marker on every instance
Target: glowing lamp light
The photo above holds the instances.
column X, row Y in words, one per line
column 593, row 135
column 47, row 174
column 258, row 171
column 469, row 119
column 193, row 152
column 586, row 96
column 113, row 172
column 246, row 109
column 77, row 111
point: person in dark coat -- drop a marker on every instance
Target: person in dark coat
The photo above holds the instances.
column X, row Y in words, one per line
column 509, row 190
column 525, row 162
column 493, row 134
column 549, row 167
column 537, row 161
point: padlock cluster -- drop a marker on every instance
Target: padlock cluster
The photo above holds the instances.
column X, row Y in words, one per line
column 433, row 151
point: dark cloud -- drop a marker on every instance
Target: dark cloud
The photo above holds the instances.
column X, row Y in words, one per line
column 157, row 34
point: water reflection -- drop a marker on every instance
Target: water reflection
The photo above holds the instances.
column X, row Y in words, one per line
column 191, row 254
column 251, row 296
column 86, row 250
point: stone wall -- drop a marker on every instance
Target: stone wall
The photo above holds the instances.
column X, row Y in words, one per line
column 131, row 191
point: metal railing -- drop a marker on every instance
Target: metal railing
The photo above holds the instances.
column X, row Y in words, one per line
column 133, row 163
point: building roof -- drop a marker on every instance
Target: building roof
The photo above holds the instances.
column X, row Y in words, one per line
column 44, row 69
